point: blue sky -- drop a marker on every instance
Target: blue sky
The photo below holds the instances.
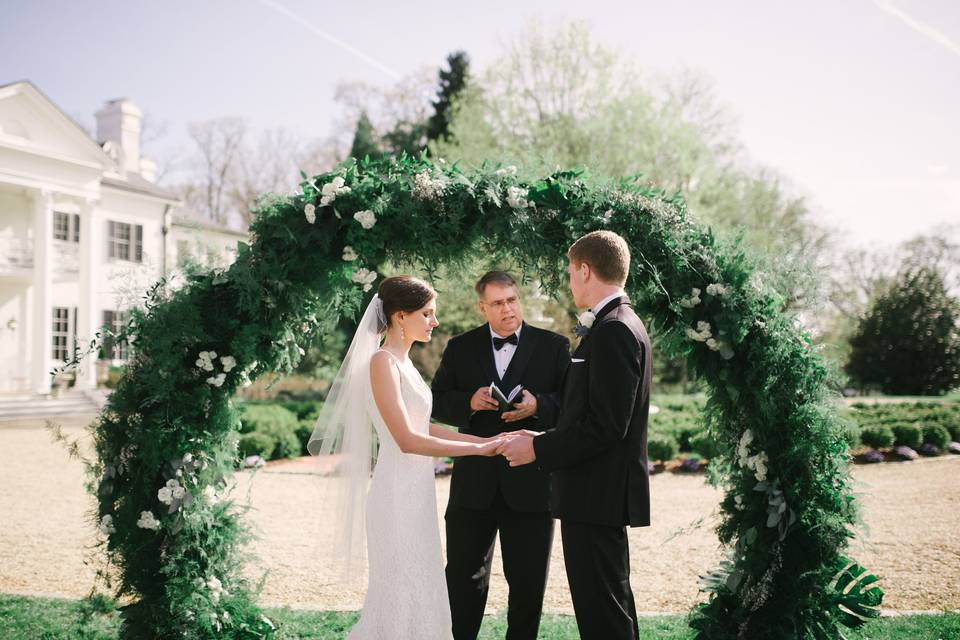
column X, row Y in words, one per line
column 856, row 102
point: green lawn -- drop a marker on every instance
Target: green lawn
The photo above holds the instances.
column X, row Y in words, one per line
column 27, row 618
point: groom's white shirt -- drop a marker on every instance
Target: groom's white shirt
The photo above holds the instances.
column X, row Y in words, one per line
column 503, row 357
column 603, row 303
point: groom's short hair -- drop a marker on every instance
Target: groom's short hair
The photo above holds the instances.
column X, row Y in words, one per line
column 494, row 277
column 607, row 254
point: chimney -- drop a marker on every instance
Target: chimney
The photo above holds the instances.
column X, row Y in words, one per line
column 119, row 122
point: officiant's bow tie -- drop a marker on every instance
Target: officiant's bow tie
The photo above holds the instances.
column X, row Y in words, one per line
column 499, row 342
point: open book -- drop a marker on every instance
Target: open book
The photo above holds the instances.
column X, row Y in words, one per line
column 506, row 401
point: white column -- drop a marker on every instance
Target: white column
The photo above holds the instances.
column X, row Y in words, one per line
column 88, row 311
column 42, row 281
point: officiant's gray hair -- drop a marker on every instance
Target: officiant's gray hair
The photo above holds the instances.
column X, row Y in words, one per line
column 494, row 277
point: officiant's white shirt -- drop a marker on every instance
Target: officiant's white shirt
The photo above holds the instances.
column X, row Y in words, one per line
column 603, row 303
column 503, row 357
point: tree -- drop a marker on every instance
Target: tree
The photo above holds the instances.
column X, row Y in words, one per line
column 559, row 98
column 453, row 80
column 218, row 143
column 909, row 340
column 365, row 139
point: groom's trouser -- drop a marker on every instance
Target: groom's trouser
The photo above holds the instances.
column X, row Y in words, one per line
column 525, row 541
column 598, row 570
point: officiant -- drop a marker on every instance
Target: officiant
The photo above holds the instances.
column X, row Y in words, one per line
column 487, row 496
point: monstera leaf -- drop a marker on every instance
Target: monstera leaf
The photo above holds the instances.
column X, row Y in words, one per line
column 857, row 600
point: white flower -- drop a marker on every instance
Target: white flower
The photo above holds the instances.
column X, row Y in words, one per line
column 586, row 319
column 366, row 218
column 427, row 187
column 701, row 333
column 214, row 584
column 165, row 495
column 330, row 191
column 178, row 492
column 607, row 216
column 148, row 521
column 349, row 255
column 511, row 169
column 717, row 289
column 106, row 525
column 187, row 458
column 217, row 380
column 713, row 344
column 210, row 495
column 310, row 211
column 692, row 301
column 516, row 198
column 172, row 491
column 228, row 362
column 205, row 360
column 199, row 583
column 365, row 277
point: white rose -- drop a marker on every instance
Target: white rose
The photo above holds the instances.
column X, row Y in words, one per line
column 717, row 289
column 148, row 521
column 106, row 525
column 349, row 255
column 217, row 380
column 214, row 584
column 586, row 319
column 165, row 495
column 365, row 277
column 210, row 495
column 310, row 211
column 516, row 198
column 228, row 362
column 366, row 218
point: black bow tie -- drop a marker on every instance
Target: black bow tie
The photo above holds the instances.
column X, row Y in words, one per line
column 499, row 342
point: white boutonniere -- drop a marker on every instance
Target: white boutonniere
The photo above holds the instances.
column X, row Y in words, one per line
column 584, row 321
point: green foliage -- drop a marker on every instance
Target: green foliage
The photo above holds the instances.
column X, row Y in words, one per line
column 172, row 422
column 270, row 431
column 705, row 445
column 909, row 340
column 453, row 80
column 365, row 140
column 907, row 435
column 877, row 437
column 662, row 447
column 936, row 435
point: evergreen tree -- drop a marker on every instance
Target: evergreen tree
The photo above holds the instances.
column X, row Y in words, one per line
column 365, row 139
column 909, row 340
column 452, row 81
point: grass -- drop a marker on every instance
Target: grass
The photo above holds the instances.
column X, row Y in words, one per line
column 30, row 618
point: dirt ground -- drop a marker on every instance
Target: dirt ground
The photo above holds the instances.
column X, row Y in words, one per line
column 910, row 537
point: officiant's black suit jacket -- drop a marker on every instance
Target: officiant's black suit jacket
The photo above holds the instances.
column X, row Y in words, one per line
column 467, row 364
column 598, row 452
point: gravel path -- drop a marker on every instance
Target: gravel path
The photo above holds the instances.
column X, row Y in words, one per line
column 911, row 537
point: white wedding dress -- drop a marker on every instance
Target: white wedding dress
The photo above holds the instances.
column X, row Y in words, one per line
column 407, row 590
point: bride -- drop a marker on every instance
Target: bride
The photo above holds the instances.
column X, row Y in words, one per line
column 379, row 390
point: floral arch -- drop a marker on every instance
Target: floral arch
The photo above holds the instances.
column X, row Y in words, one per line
column 166, row 441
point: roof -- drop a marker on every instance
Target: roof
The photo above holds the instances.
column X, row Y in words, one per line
column 138, row 184
column 192, row 220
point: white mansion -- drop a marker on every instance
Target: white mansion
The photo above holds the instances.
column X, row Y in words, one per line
column 84, row 232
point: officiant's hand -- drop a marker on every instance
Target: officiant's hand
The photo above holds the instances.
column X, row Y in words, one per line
column 524, row 409
column 483, row 401
column 518, row 450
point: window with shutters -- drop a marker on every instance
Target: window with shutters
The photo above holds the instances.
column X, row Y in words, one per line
column 66, row 226
column 124, row 241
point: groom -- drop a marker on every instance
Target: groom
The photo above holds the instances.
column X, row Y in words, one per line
column 598, row 452
column 487, row 496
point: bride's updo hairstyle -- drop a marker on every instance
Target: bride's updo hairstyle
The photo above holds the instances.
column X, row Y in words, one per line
column 403, row 293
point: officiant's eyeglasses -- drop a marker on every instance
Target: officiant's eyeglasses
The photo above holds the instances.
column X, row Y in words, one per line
column 498, row 304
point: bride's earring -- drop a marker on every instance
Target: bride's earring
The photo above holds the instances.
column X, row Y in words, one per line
column 402, row 334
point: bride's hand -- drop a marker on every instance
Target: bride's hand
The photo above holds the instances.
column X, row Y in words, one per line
column 521, row 432
column 489, row 447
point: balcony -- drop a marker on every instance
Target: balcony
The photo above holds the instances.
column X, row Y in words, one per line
column 16, row 257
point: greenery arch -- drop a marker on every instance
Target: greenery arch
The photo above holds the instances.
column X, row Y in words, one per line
column 166, row 441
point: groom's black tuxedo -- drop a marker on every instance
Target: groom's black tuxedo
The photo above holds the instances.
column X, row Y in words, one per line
column 598, row 458
column 488, row 496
